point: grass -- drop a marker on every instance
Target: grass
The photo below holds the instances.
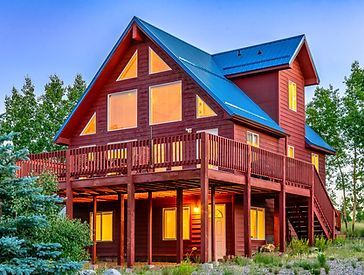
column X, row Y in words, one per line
column 358, row 231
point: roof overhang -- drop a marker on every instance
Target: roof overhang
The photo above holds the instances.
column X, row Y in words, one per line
column 318, row 148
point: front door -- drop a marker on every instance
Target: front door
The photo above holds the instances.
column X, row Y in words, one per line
column 220, row 231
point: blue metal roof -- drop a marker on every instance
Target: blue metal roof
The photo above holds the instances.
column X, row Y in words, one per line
column 312, row 138
column 257, row 57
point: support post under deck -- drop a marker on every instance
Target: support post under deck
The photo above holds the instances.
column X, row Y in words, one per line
column 130, row 246
column 121, row 228
column 310, row 209
column 204, row 179
column 179, row 245
column 94, row 240
column 247, row 206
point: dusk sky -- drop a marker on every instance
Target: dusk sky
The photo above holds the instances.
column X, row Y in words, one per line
column 39, row 38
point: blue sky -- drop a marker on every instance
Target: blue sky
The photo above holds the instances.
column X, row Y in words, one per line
column 39, row 38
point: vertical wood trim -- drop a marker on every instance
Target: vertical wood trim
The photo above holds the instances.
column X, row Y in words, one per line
column 94, row 242
column 234, row 249
column 213, row 239
column 247, row 205
column 311, row 215
column 204, row 197
column 130, row 251
column 121, row 228
column 179, row 224
column 276, row 226
column 282, row 206
column 69, row 193
column 150, row 228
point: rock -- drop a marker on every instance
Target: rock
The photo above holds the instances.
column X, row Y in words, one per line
column 111, row 272
column 87, row 272
column 267, row 248
column 207, row 267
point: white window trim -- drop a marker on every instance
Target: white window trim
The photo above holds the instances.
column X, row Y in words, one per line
column 290, row 146
column 175, row 208
column 289, row 84
column 88, row 123
column 150, row 63
column 198, row 117
column 131, row 58
column 108, row 108
column 258, row 208
column 150, row 100
column 123, row 141
column 86, row 146
column 250, row 132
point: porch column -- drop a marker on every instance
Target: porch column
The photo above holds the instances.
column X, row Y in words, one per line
column 213, row 239
column 69, row 193
column 204, row 179
column 121, row 228
column 130, row 246
column 310, row 209
column 150, row 228
column 94, row 217
column 179, row 224
column 247, row 205
column 282, row 210
column 276, row 224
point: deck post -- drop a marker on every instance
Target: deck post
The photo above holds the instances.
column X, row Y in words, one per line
column 282, row 209
column 276, row 224
column 69, row 193
column 204, row 179
column 150, row 228
column 179, row 224
column 213, row 239
column 310, row 209
column 247, row 205
column 130, row 247
column 121, row 228
column 94, row 240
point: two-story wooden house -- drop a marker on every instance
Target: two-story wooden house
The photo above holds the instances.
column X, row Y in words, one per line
column 171, row 148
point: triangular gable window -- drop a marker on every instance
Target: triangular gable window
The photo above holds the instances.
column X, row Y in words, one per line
column 131, row 69
column 90, row 128
column 203, row 110
column 156, row 64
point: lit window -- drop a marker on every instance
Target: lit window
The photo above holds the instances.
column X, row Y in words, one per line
column 292, row 94
column 203, row 110
column 103, row 226
column 252, row 139
column 315, row 160
column 90, row 127
column 290, row 151
column 165, row 103
column 156, row 64
column 257, row 223
column 122, row 110
column 131, row 69
column 170, row 223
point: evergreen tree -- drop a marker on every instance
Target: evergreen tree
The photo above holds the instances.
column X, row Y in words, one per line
column 74, row 92
column 23, row 217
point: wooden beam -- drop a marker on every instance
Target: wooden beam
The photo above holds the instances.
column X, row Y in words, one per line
column 69, row 193
column 204, row 198
column 130, row 250
column 179, row 224
column 247, row 206
column 136, row 34
column 150, row 228
column 310, row 209
column 276, row 225
column 94, row 241
column 121, row 228
column 213, row 239
column 282, row 210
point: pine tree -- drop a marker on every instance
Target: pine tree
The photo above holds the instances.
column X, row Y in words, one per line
column 23, row 217
column 75, row 91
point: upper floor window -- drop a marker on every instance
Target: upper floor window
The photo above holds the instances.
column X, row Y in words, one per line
column 290, row 152
column 257, row 223
column 122, row 110
column 292, row 96
column 131, row 69
column 203, row 110
column 252, row 139
column 103, row 226
column 315, row 160
column 90, row 127
column 156, row 64
column 165, row 103
column 169, row 221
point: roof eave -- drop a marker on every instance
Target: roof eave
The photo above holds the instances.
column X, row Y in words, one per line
column 319, row 148
column 267, row 69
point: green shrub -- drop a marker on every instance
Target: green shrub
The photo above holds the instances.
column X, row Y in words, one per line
column 242, row 261
column 298, row 247
column 339, row 240
column 267, row 259
column 185, row 268
column 322, row 243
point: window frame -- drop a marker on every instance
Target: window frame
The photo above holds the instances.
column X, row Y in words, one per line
column 197, row 116
column 290, row 82
column 288, row 150
column 318, row 161
column 252, row 133
column 112, row 226
column 150, row 63
column 150, row 102
column 256, row 208
column 88, row 123
column 189, row 223
column 128, row 65
column 108, row 109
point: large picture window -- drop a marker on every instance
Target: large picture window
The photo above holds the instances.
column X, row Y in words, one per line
column 165, row 103
column 122, row 110
column 257, row 223
column 169, row 219
column 103, row 226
